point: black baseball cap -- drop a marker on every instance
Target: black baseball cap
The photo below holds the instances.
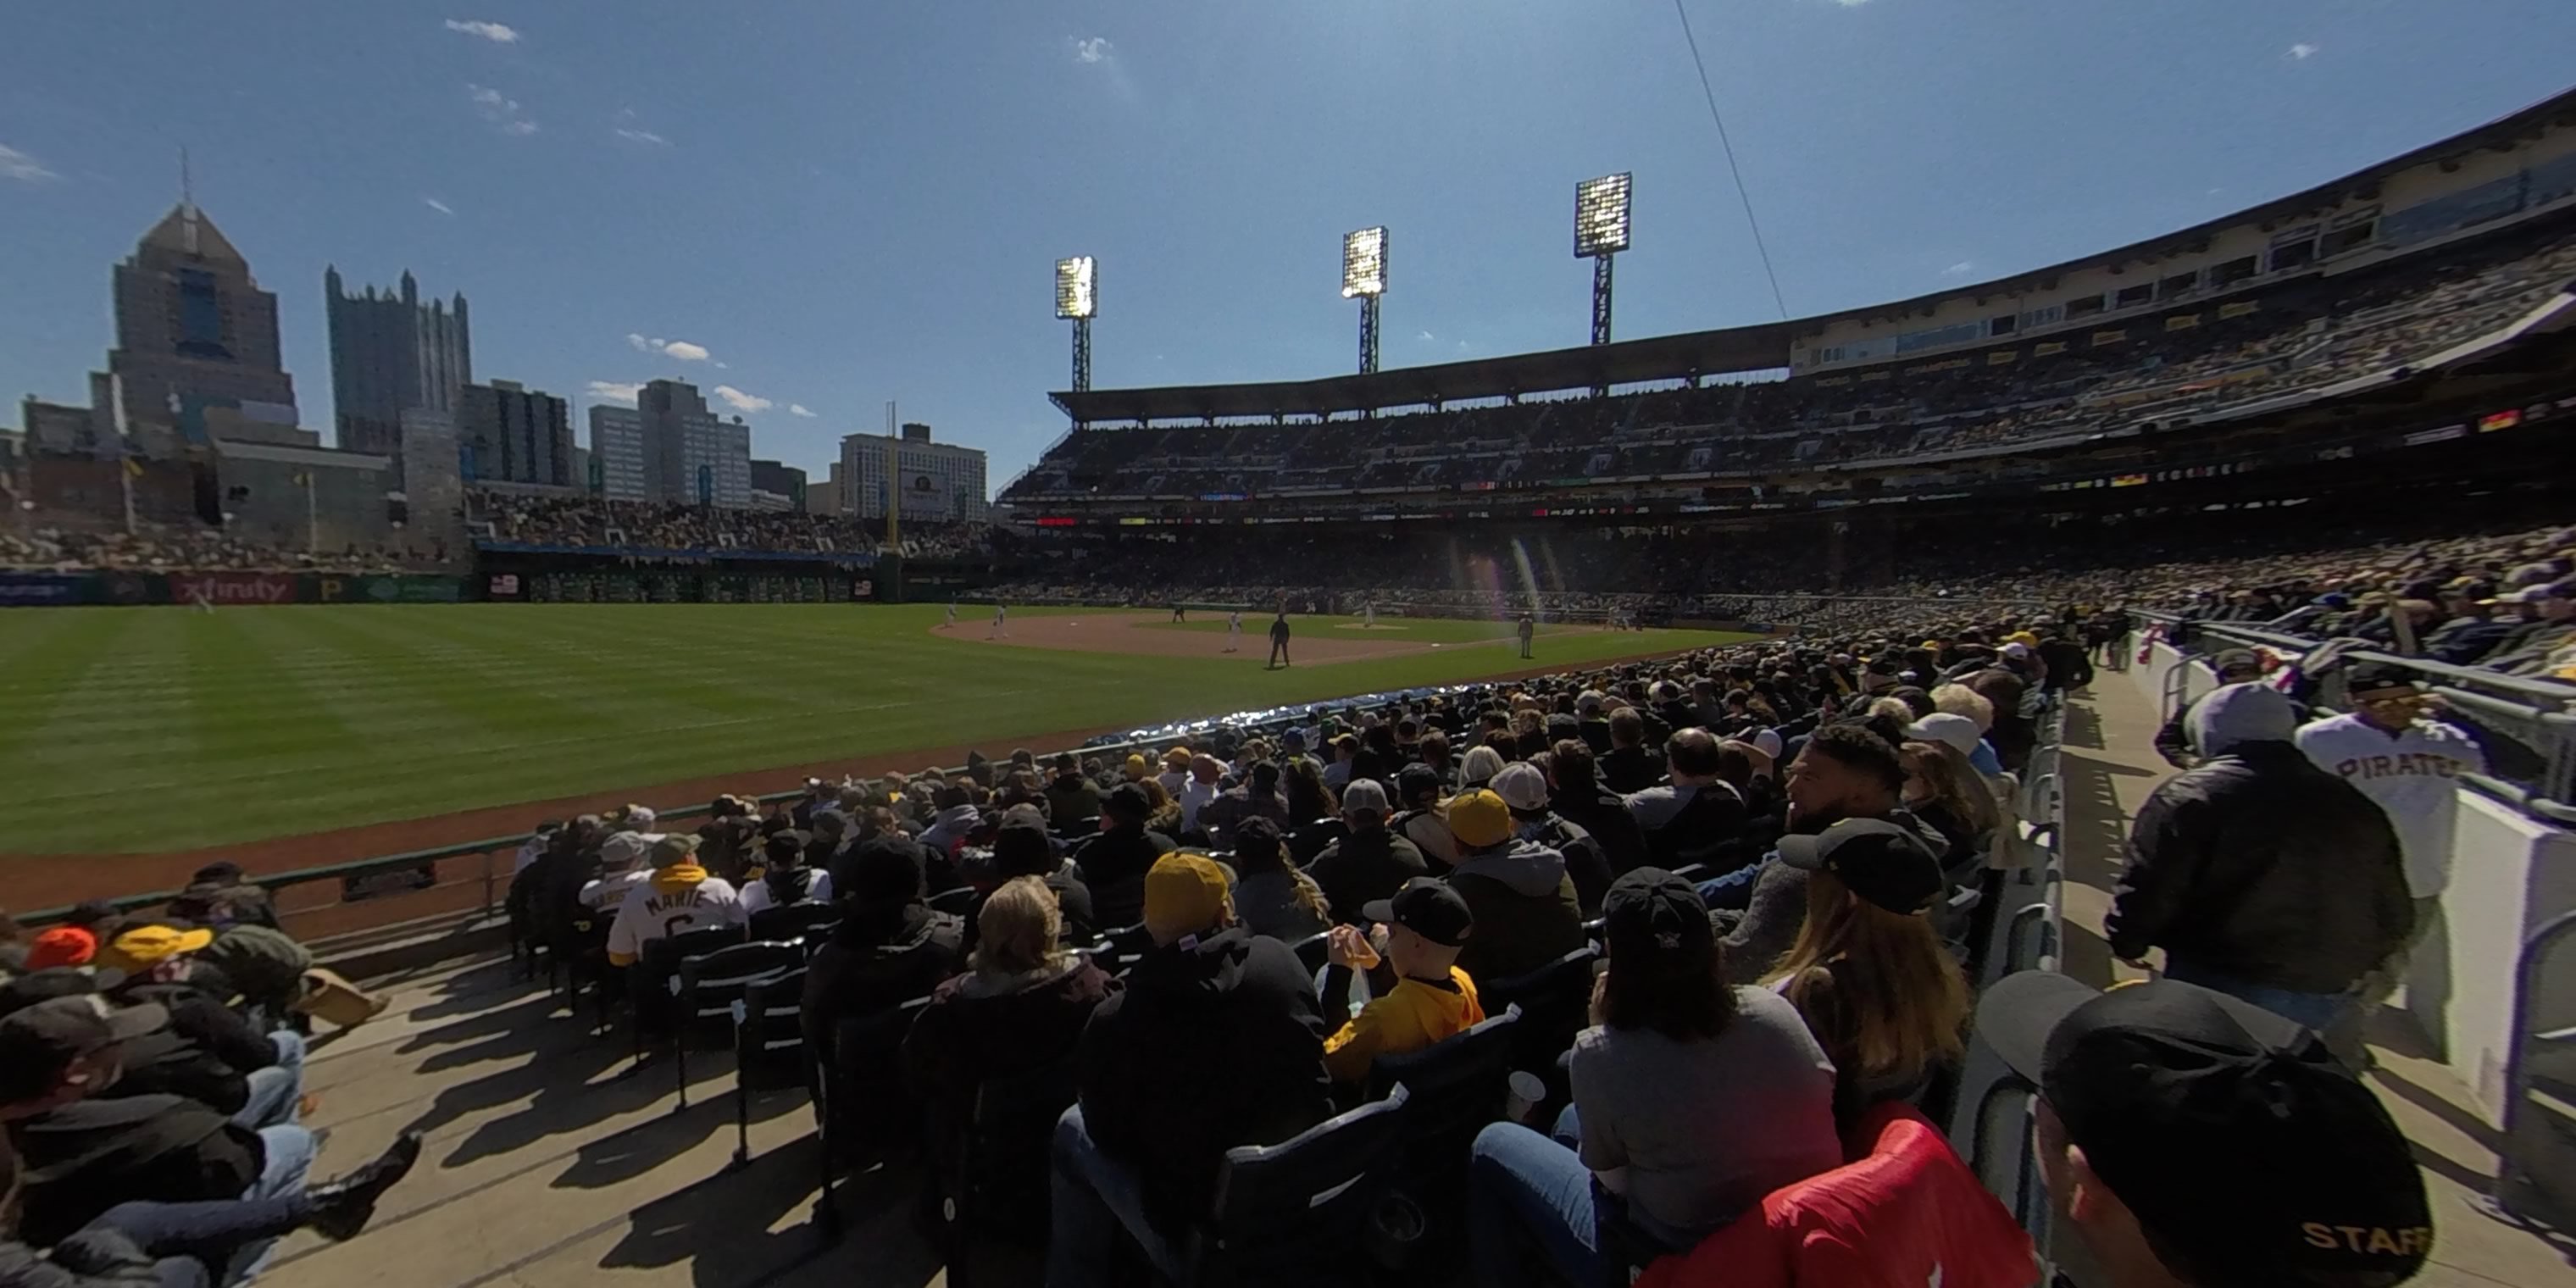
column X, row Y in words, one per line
column 1655, row 921
column 1427, row 907
column 2234, row 1135
column 1883, row 863
column 2370, row 676
column 38, row 1042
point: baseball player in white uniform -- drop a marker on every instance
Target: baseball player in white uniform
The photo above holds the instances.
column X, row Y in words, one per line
column 952, row 612
column 1234, row 631
column 1368, row 614
column 1001, row 623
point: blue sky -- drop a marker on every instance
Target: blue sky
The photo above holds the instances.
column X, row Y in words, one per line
column 824, row 204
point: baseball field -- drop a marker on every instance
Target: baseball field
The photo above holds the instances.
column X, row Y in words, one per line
column 133, row 731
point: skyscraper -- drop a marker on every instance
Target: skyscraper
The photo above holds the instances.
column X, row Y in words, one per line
column 389, row 354
column 507, row 433
column 617, row 449
column 938, row 481
column 690, row 455
column 192, row 326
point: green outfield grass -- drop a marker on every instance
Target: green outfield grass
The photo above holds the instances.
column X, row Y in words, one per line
column 155, row 729
column 1417, row 630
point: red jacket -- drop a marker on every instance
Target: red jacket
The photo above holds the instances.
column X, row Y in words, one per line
column 1907, row 1214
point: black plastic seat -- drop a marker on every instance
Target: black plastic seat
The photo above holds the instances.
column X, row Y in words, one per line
column 1314, row 952
column 993, row 1180
column 705, row 990
column 788, row 922
column 653, row 981
column 1555, row 1002
column 864, row 1103
column 1312, row 838
column 768, row 1045
column 1296, row 1214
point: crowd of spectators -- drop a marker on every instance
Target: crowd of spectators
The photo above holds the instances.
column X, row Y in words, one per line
column 2304, row 335
column 592, row 522
column 1766, row 838
column 164, row 547
column 2490, row 591
column 152, row 1086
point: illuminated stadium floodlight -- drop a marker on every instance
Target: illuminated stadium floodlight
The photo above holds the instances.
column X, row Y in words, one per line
column 1600, row 232
column 1077, row 298
column 1364, row 275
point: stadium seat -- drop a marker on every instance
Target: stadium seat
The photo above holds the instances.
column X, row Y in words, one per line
column 1905, row 1211
column 653, row 981
column 1314, row 952
column 993, row 1183
column 768, row 1046
column 1295, row 1214
column 864, row 1103
column 1310, row 839
column 704, row 990
column 1455, row 1088
column 1555, row 1002
column 788, row 922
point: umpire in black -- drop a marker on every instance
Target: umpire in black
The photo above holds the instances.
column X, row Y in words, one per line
column 1279, row 639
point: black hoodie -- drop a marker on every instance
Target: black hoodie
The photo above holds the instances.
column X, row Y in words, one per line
column 1217, row 1042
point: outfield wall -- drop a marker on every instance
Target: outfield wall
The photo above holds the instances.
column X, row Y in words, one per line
column 70, row 589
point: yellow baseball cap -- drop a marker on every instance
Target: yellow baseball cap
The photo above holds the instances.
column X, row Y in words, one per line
column 1185, row 894
column 144, row 947
column 1480, row 819
column 1137, row 764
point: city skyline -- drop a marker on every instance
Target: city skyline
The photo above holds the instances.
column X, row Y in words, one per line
column 837, row 208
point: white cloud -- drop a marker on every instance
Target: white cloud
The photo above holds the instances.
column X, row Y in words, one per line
column 1851, row 4
column 17, row 165
column 2302, row 52
column 680, row 349
column 491, row 31
column 798, row 409
column 1960, row 269
column 1427, row 336
column 610, row 391
column 741, row 401
column 500, row 109
column 1096, row 49
column 1464, row 347
column 438, row 205
column 641, row 136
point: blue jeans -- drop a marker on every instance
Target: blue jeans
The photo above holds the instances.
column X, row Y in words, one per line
column 1093, row 1196
column 289, row 1150
column 183, row 1237
column 276, row 1090
column 1519, row 1180
column 2317, row 1011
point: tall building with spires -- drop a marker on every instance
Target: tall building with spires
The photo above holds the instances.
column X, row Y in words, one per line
column 195, row 333
column 391, row 354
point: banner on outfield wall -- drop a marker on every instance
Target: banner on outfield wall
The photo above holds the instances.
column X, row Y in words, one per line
column 221, row 588
column 44, row 589
column 329, row 589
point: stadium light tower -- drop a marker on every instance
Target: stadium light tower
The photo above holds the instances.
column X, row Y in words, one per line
column 1364, row 275
column 1077, row 297
column 1600, row 232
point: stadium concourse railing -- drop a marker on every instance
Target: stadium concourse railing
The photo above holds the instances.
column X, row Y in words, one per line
column 2495, row 985
column 1989, row 1119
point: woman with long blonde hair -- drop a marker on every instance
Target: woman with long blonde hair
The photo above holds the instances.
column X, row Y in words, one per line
column 1877, row 986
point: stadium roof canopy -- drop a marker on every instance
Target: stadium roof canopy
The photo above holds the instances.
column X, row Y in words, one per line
column 1663, row 357
column 1672, row 357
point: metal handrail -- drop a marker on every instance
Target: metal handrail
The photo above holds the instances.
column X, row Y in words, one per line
column 2517, row 1190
